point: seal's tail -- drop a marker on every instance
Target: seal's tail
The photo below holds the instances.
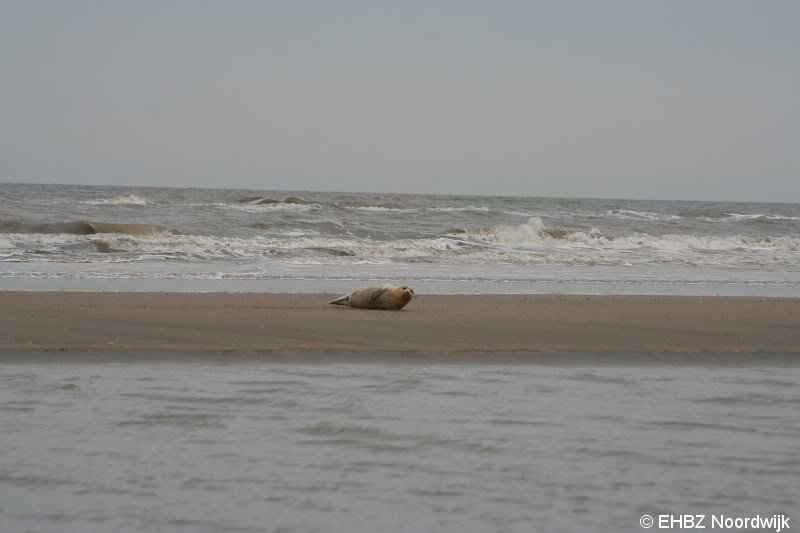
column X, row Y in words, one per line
column 342, row 300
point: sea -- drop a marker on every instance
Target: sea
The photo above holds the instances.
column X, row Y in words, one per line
column 63, row 237
column 185, row 443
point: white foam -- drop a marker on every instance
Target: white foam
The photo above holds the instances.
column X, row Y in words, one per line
column 531, row 243
column 130, row 199
column 739, row 217
column 379, row 208
column 415, row 210
column 640, row 215
column 262, row 208
column 781, row 217
column 756, row 216
column 297, row 232
column 535, row 234
column 465, row 208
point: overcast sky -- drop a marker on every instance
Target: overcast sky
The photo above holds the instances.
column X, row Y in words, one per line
column 663, row 99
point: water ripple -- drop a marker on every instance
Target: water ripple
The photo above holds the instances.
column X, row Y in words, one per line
column 244, row 446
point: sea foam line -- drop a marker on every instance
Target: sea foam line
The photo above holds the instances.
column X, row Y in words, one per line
column 130, row 199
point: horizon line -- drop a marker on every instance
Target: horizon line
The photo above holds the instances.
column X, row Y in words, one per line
column 468, row 195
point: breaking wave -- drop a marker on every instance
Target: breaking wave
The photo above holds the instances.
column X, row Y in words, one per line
column 89, row 228
column 531, row 243
column 380, row 208
column 416, row 210
column 52, row 231
column 640, row 215
column 265, row 208
column 535, row 233
column 736, row 217
column 83, row 228
column 130, row 199
column 481, row 208
column 304, row 250
column 260, row 204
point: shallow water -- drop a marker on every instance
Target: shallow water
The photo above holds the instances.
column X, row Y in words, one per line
column 202, row 444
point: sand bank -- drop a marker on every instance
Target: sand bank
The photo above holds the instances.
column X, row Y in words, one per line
column 304, row 323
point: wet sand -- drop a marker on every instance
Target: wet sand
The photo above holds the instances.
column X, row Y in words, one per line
column 263, row 324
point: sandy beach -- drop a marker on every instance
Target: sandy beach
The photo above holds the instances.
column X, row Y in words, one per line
column 304, row 323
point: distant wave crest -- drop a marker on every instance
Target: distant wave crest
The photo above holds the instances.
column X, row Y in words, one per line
column 746, row 217
column 481, row 208
column 445, row 209
column 261, row 204
column 640, row 215
column 129, row 199
column 380, row 208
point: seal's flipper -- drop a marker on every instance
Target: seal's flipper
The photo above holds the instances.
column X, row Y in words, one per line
column 342, row 300
column 377, row 294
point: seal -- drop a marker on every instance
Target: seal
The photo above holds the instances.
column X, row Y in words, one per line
column 377, row 297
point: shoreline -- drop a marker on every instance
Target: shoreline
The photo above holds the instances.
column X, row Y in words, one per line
column 467, row 326
column 340, row 279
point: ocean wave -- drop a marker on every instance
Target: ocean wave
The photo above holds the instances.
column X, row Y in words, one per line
column 466, row 208
column 736, row 217
column 301, row 247
column 261, row 204
column 130, row 199
column 267, row 200
column 535, row 234
column 269, row 207
column 380, row 208
column 518, row 213
column 88, row 228
column 82, row 228
column 311, row 248
column 631, row 214
column 297, row 232
column 781, row 217
column 528, row 244
column 481, row 208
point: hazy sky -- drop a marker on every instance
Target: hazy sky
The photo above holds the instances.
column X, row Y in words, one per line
column 645, row 99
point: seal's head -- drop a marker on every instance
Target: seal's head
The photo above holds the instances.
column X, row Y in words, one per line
column 404, row 294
